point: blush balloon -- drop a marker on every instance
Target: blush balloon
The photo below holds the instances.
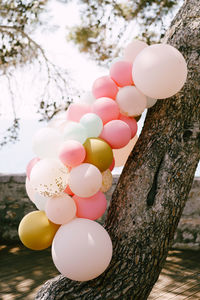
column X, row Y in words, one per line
column 76, row 110
column 133, row 49
column 131, row 122
column 91, row 208
column 31, row 165
column 159, row 71
column 131, row 101
column 72, row 153
column 116, row 133
column 121, row 73
column 60, row 209
column 104, row 87
column 106, row 109
column 81, row 249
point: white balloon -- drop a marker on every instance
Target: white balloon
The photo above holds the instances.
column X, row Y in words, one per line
column 29, row 189
column 36, row 198
column 159, row 71
column 85, row 180
column 133, row 49
column 151, row 102
column 49, row 177
column 87, row 98
column 131, row 101
column 81, row 249
column 75, row 131
column 46, row 142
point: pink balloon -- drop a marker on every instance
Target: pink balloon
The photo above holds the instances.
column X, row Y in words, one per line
column 72, row 153
column 106, row 109
column 121, row 73
column 68, row 191
column 31, row 165
column 116, row 133
column 60, row 209
column 76, row 110
column 131, row 122
column 133, row 49
column 104, row 87
column 91, row 208
column 112, row 165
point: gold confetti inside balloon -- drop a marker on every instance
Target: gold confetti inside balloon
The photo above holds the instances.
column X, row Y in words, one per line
column 98, row 153
column 106, row 181
column 36, row 231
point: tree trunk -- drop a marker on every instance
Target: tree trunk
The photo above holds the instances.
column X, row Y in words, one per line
column 153, row 188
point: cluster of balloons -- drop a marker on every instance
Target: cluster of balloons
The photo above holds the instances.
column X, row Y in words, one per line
column 74, row 158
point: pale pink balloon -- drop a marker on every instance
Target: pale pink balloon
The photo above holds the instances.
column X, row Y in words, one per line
column 31, row 165
column 76, row 110
column 85, row 180
column 106, row 109
column 131, row 122
column 91, row 208
column 68, row 191
column 159, row 71
column 121, row 155
column 133, row 49
column 131, row 101
column 121, row 73
column 104, row 87
column 29, row 189
column 116, row 133
column 81, row 249
column 72, row 153
column 60, row 209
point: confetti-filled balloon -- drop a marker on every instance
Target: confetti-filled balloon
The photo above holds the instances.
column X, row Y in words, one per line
column 121, row 155
column 133, row 49
column 36, row 231
column 81, row 249
column 106, row 109
column 121, row 73
column 104, row 87
column 131, row 101
column 106, row 180
column 91, row 208
column 49, row 177
column 75, row 131
column 85, row 180
column 72, row 153
column 116, row 133
column 159, row 71
column 76, row 110
column 46, row 142
column 98, row 153
column 93, row 124
column 60, row 209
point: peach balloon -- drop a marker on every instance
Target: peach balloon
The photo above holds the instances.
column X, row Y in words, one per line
column 106, row 109
column 60, row 209
column 31, row 165
column 106, row 181
column 81, row 249
column 159, row 71
column 121, row 155
column 72, row 153
column 133, row 49
column 131, row 101
column 76, row 110
column 104, row 87
column 85, row 180
column 91, row 208
column 116, row 133
column 121, row 73
column 131, row 122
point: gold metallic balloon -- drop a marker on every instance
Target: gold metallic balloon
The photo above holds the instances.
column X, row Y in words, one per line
column 106, row 181
column 36, row 231
column 98, row 153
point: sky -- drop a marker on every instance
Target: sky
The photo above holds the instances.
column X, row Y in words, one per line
column 15, row 157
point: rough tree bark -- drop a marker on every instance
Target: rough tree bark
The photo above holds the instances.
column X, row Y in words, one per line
column 153, row 188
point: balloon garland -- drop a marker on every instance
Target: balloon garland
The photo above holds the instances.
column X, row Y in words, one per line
column 72, row 169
